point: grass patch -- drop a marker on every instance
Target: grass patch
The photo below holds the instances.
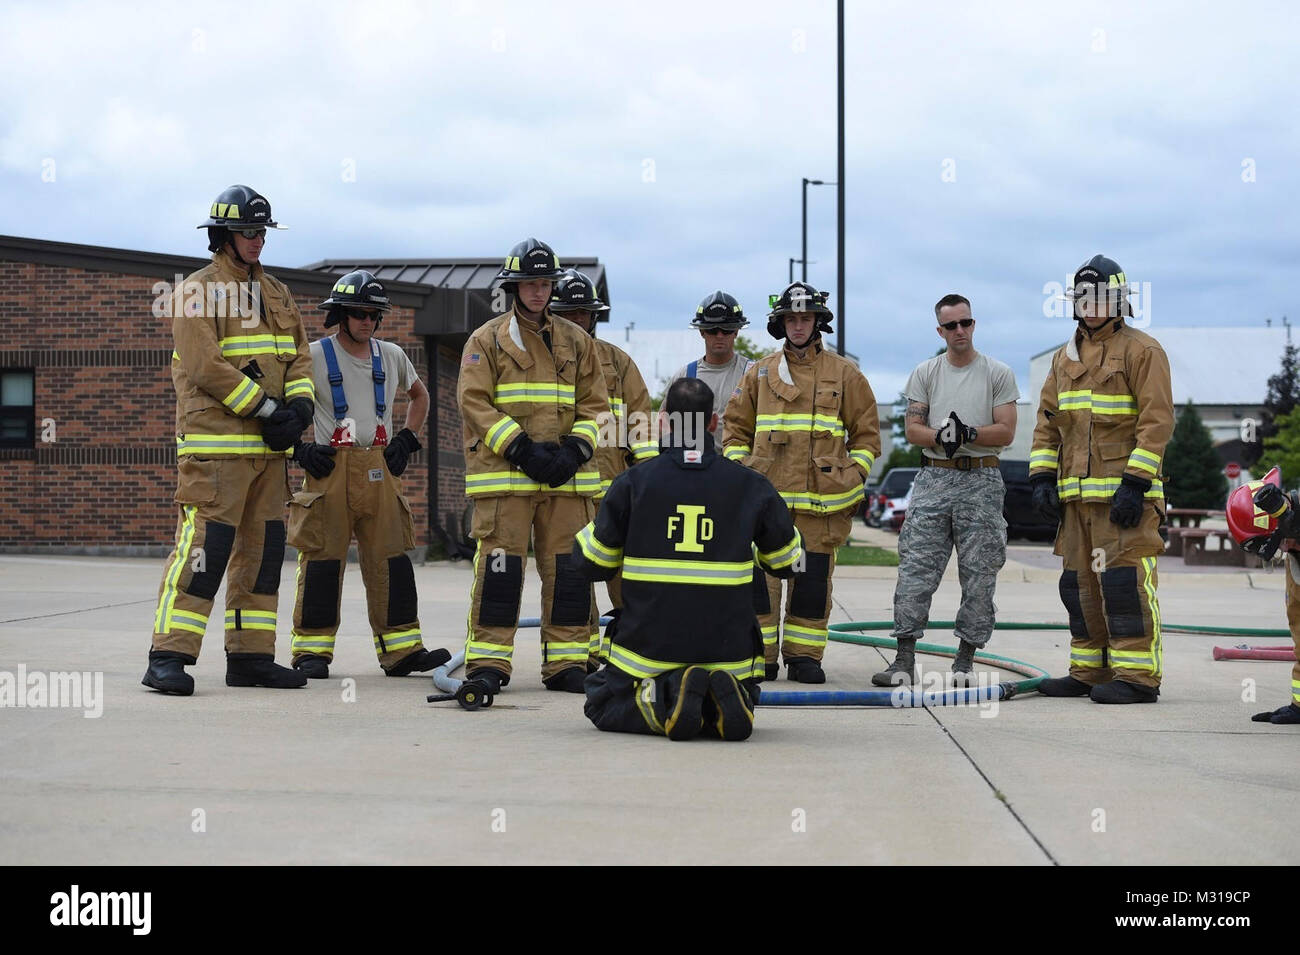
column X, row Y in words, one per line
column 866, row 556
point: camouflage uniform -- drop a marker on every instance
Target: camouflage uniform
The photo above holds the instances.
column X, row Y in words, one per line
column 951, row 508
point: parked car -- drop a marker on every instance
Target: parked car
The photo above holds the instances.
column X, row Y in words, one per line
column 897, row 491
column 1017, row 504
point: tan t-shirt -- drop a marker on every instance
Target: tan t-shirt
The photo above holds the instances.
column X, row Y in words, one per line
column 972, row 391
column 359, row 390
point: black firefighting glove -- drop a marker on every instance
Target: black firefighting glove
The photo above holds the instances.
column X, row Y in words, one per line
column 953, row 434
column 1046, row 500
column 1126, row 505
column 282, row 428
column 572, row 455
column 316, row 459
column 1282, row 507
column 399, row 451
column 531, row 457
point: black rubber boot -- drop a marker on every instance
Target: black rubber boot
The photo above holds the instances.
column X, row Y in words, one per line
column 1121, row 691
column 1064, row 686
column 963, row 664
column 771, row 671
column 313, row 666
column 167, row 674
column 735, row 708
column 804, row 670
column 492, row 679
column 1283, row 714
column 902, row 671
column 568, row 680
column 686, row 718
column 260, row 669
column 421, row 661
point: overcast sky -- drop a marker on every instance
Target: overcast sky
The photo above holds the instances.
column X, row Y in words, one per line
column 992, row 147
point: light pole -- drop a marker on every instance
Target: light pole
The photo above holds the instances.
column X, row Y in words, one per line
column 839, row 172
column 804, row 260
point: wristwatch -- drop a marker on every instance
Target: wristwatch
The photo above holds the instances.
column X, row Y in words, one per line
column 974, row 436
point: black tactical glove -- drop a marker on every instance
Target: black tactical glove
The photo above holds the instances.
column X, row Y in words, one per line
column 531, row 457
column 1126, row 505
column 399, row 451
column 282, row 428
column 316, row 459
column 953, row 434
column 1046, row 500
column 1273, row 499
column 564, row 465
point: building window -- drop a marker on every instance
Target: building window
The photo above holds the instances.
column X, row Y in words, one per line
column 18, row 408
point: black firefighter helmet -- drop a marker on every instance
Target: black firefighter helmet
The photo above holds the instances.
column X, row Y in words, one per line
column 357, row 289
column 1100, row 280
column 238, row 207
column 719, row 310
column 529, row 259
column 798, row 297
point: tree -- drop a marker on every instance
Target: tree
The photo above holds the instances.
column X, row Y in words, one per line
column 1283, row 448
column 1283, row 396
column 1193, row 471
column 749, row 349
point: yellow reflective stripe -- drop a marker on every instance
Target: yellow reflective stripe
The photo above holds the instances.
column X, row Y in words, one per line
column 566, row 650
column 502, row 434
column 245, row 346
column 646, row 708
column 1295, row 691
column 176, row 356
column 533, row 391
column 251, row 619
column 1085, row 657
column 1143, row 460
column 478, row 650
column 242, row 395
column 1157, row 636
column 320, row 643
column 644, row 450
column 299, row 388
column 594, row 550
column 769, row 634
column 1073, row 400
column 499, row 482
column 1088, row 400
column 1132, row 660
column 617, row 405
column 799, row 422
column 710, row 572
column 863, row 457
column 812, row 501
column 1045, row 458
column 187, row 620
column 809, row 636
column 1099, row 488
column 223, row 444
column 163, row 616
column 634, row 664
column 783, row 556
column 586, row 428
column 735, row 452
column 399, row 640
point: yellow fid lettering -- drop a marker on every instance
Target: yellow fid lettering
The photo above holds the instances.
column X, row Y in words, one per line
column 695, row 528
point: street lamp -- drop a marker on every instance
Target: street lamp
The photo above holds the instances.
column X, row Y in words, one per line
column 804, row 260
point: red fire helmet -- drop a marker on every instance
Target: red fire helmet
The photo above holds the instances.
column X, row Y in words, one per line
column 1245, row 520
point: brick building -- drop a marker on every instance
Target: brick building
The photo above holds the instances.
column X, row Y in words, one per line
column 87, row 409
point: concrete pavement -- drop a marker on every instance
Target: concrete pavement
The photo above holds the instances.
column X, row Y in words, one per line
column 367, row 772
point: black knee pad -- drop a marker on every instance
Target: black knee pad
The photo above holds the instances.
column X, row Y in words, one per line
column 402, row 602
column 218, row 540
column 1119, row 588
column 809, row 597
column 1069, row 588
column 762, row 601
column 320, row 594
column 268, row 574
column 498, row 603
column 571, row 597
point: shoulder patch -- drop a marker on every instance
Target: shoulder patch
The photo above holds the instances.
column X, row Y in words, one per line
column 762, row 372
column 472, row 359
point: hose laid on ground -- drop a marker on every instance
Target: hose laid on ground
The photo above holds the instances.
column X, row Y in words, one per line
column 1243, row 652
column 442, row 676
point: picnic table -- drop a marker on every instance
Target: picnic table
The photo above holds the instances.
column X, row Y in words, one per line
column 1189, row 540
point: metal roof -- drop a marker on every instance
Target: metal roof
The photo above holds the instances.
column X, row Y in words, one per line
column 459, row 274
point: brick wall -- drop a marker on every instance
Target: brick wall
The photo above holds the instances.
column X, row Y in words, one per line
column 102, row 374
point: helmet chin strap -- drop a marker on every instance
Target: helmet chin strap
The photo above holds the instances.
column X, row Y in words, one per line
column 234, row 250
column 343, row 327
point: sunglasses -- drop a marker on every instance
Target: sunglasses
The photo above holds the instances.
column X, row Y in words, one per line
column 952, row 326
column 362, row 314
column 718, row 331
column 252, row 233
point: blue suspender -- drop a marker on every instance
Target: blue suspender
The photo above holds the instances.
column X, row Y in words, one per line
column 377, row 372
column 693, row 370
column 336, row 379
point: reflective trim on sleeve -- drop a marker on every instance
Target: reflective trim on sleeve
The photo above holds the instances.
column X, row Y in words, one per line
column 502, row 434
column 782, row 556
column 644, row 450
column 1143, row 460
column 863, row 457
column 586, row 429
column 299, row 388
column 1045, row 458
column 594, row 550
column 735, row 452
column 242, row 395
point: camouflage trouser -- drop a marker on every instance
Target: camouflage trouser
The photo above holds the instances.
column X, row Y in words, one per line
column 951, row 508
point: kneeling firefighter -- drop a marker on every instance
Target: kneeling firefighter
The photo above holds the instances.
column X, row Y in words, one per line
column 352, row 487
column 687, row 530
column 806, row 419
column 1263, row 518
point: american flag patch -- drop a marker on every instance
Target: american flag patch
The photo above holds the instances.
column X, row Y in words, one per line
column 471, row 359
column 762, row 373
column 735, row 393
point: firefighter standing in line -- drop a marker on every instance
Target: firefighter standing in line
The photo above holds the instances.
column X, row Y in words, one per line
column 352, row 487
column 719, row 320
column 625, row 432
column 1262, row 518
column 1104, row 418
column 805, row 418
column 244, row 394
column 530, row 392
column 687, row 656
